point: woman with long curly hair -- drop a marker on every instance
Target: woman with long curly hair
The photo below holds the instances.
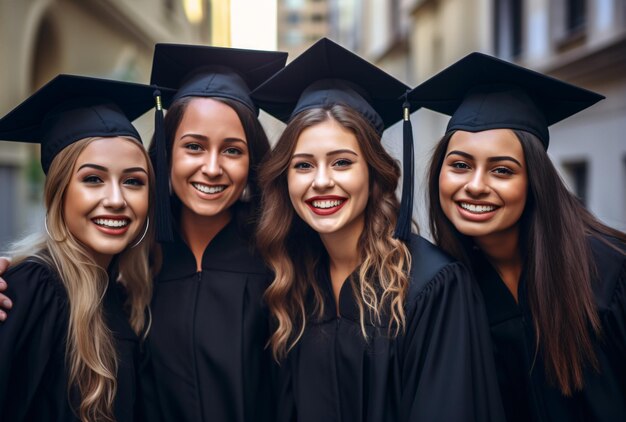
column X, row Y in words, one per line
column 80, row 290
column 365, row 326
column 553, row 276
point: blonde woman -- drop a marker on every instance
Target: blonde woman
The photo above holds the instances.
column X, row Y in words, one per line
column 81, row 289
column 367, row 327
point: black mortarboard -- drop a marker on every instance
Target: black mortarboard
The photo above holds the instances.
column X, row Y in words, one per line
column 70, row 108
column 481, row 92
column 202, row 71
column 328, row 74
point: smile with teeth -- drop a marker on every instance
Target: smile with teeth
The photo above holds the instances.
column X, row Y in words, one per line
column 112, row 223
column 208, row 189
column 325, row 204
column 477, row 209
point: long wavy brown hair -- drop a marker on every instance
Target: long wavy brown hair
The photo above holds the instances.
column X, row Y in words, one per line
column 554, row 230
column 90, row 349
column 293, row 250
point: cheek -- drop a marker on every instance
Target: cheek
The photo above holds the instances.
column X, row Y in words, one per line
column 180, row 170
column 139, row 202
column 296, row 188
column 445, row 187
column 239, row 170
column 74, row 200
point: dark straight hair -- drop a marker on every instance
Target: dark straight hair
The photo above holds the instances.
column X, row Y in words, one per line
column 554, row 244
column 245, row 212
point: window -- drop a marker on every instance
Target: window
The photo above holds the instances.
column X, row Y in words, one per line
column 8, row 181
column 293, row 18
column 577, row 173
column 508, row 28
column 575, row 15
column 318, row 17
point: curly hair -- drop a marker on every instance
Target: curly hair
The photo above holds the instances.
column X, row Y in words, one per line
column 292, row 248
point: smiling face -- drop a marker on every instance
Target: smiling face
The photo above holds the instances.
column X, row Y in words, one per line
column 483, row 183
column 328, row 180
column 106, row 201
column 210, row 158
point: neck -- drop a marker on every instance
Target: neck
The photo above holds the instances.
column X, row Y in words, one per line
column 198, row 231
column 503, row 253
column 342, row 249
column 102, row 260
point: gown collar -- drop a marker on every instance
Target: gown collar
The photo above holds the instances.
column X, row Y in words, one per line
column 227, row 251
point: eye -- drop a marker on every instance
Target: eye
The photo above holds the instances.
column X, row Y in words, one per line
column 504, row 171
column 342, row 162
column 460, row 165
column 92, row 179
column 233, row 151
column 302, row 166
column 192, row 146
column 134, row 181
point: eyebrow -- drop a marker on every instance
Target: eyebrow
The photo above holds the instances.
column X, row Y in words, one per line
column 490, row 159
column 206, row 139
column 102, row 168
column 328, row 154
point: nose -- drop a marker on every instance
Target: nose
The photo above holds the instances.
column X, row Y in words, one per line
column 114, row 198
column 212, row 167
column 323, row 179
column 476, row 185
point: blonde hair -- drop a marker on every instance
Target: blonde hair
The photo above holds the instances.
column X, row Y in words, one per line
column 292, row 248
column 90, row 348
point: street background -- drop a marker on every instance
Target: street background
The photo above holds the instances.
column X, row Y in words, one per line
column 580, row 41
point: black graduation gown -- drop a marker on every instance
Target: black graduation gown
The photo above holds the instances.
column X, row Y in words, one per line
column 33, row 369
column 526, row 394
column 439, row 370
column 207, row 357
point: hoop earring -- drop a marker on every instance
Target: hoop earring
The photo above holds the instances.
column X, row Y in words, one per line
column 245, row 194
column 144, row 233
column 45, row 224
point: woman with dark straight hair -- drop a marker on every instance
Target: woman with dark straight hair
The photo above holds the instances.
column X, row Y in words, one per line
column 206, row 350
column 367, row 325
column 553, row 276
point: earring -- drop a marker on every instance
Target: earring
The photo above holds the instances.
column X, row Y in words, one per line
column 245, row 194
column 144, row 233
column 45, row 224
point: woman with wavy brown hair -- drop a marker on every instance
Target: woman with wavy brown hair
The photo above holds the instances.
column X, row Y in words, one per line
column 81, row 290
column 553, row 276
column 365, row 326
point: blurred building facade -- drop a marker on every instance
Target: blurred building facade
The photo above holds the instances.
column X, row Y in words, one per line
column 579, row 41
column 103, row 38
column 300, row 23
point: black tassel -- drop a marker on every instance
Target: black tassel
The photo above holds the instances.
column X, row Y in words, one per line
column 405, row 219
column 163, row 211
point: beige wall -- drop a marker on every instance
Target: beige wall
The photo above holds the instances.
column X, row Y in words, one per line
column 104, row 38
column 440, row 32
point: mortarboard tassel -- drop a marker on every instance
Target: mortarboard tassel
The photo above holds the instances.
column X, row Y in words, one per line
column 403, row 225
column 163, row 210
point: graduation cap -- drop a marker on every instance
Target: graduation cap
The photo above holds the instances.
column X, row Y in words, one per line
column 70, row 108
column 328, row 74
column 202, row 71
column 481, row 92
